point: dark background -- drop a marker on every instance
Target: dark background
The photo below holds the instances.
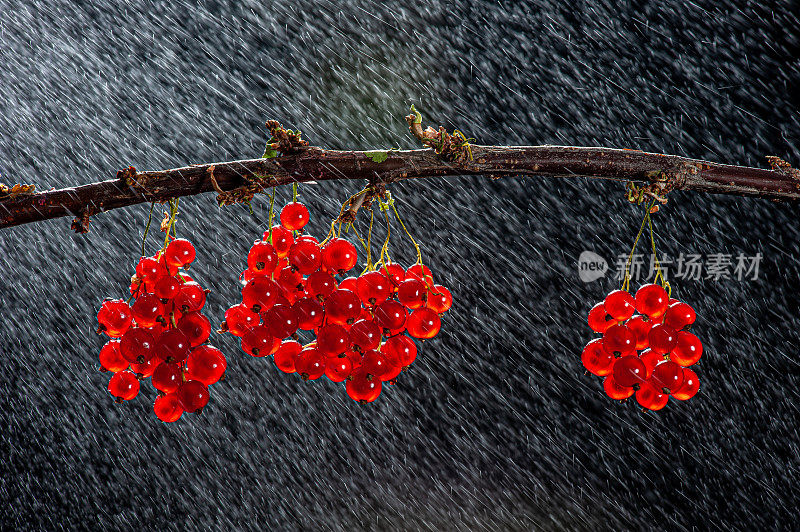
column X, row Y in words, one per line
column 495, row 426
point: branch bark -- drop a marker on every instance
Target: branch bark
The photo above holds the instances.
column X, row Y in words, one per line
column 661, row 173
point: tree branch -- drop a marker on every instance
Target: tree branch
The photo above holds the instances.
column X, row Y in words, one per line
column 661, row 173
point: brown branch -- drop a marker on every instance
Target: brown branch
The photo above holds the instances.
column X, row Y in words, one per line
column 662, row 172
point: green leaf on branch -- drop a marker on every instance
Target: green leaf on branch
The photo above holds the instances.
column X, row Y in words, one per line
column 377, row 156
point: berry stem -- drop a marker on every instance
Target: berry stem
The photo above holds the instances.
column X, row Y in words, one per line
column 627, row 278
column 147, row 227
column 173, row 207
column 397, row 215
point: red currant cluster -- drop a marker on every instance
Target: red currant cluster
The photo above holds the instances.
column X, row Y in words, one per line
column 660, row 331
column 297, row 283
column 162, row 335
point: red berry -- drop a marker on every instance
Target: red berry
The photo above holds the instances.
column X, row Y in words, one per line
column 206, row 364
column 136, row 345
column 262, row 258
column 365, row 334
column 145, row 369
column 147, row 310
column 342, row 307
column 282, row 239
column 373, row 288
column 662, row 339
column 168, row 408
column 285, row 355
column 332, row 339
column 172, row 346
column 652, row 300
column 640, row 327
column 239, row 319
column 111, row 358
column 191, row 297
column 423, row 323
column 310, row 364
column 412, row 293
column 614, row 390
column 259, row 342
column 650, row 397
column 167, row 377
column 688, row 349
column 319, row 285
column 596, row 359
column 167, row 288
column 196, row 327
column 395, row 273
column 667, row 376
column 599, row 319
column 309, row 313
column 629, row 371
column 305, row 256
column 180, row 252
column 339, row 255
column 651, row 359
column 294, row 216
column 260, row 294
column 420, row 272
column 149, row 270
column 124, row 386
column 690, row 386
column 114, row 317
column 281, row 321
column 618, row 340
column 192, row 396
column 375, row 364
column 390, row 315
column 679, row 316
column 350, row 283
column 362, row 387
column 402, row 348
column 440, row 299
column 338, row 368
column 619, row 304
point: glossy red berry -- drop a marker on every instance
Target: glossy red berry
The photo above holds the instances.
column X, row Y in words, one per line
column 332, row 339
column 619, row 341
column 423, row 323
column 688, row 349
column 650, row 397
column 614, row 390
column 206, row 364
column 667, row 376
column 395, row 273
column 401, row 347
column 420, row 272
column 338, row 368
column 167, row 288
column 690, row 386
column 596, row 360
column 260, row 293
column 350, row 283
column 147, row 310
column 412, row 293
column 196, row 327
column 679, row 316
column 652, row 300
column 285, row 355
column 281, row 239
column 111, row 358
column 390, row 315
column 305, row 256
column 319, row 285
column 629, row 371
column 374, row 363
column 192, row 396
column 440, row 299
column 640, row 327
column 294, row 216
column 309, row 313
column 259, row 342
column 114, row 317
column 239, row 319
column 180, row 252
column 366, row 335
column 599, row 320
column 167, row 408
column 136, row 345
column 363, row 387
column 145, row 369
column 339, row 255
column 310, row 364
column 262, row 258
column 373, row 288
column 149, row 270
column 281, row 321
column 662, row 339
column 167, row 377
column 172, row 346
column 651, row 359
column 124, row 386
column 619, row 304
column 342, row 307
column 191, row 297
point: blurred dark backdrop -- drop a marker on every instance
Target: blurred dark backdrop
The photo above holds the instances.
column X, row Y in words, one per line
column 495, row 426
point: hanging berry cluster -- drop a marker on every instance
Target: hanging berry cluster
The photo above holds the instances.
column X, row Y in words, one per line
column 360, row 328
column 163, row 334
column 648, row 353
